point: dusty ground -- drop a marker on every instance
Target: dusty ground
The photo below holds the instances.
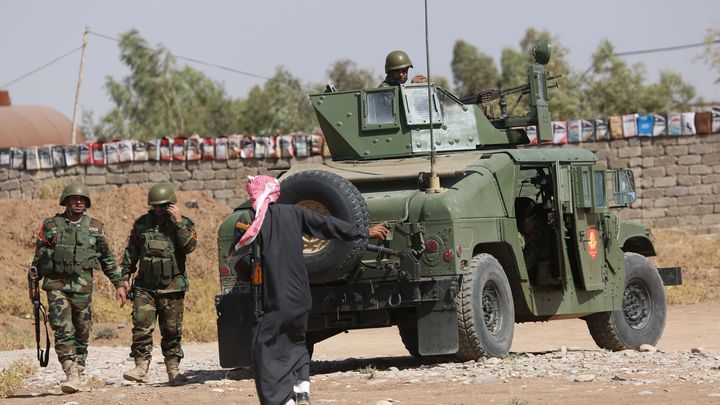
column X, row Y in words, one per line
column 370, row 366
column 367, row 367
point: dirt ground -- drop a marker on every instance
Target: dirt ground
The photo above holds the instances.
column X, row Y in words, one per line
column 688, row 326
column 340, row 362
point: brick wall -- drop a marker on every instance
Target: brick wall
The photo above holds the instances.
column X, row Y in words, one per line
column 678, row 178
column 222, row 180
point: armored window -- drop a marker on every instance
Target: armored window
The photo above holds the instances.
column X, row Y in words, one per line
column 583, row 181
column 599, row 188
column 417, row 109
column 379, row 109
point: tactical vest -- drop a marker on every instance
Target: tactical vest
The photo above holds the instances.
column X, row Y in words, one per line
column 75, row 248
column 158, row 264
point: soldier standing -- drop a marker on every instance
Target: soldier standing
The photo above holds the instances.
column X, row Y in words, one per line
column 69, row 246
column 159, row 242
column 397, row 65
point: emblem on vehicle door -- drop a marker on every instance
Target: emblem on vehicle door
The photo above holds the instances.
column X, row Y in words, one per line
column 592, row 242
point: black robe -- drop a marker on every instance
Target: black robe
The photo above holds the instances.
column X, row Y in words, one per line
column 280, row 356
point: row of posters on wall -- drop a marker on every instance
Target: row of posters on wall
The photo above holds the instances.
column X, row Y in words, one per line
column 302, row 145
column 165, row 149
column 632, row 125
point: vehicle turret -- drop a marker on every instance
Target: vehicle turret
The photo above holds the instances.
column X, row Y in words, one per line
column 394, row 121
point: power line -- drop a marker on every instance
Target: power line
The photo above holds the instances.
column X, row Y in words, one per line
column 200, row 62
column 666, row 49
column 656, row 50
column 41, row 67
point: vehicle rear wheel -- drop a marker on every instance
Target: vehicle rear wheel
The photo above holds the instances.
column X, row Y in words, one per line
column 642, row 317
column 486, row 315
column 328, row 194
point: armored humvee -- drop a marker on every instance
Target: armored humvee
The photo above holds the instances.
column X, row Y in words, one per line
column 452, row 275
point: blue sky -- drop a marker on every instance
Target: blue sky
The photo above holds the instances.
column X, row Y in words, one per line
column 306, row 37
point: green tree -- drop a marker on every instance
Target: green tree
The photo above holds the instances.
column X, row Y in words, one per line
column 346, row 75
column 159, row 99
column 670, row 93
column 566, row 101
column 615, row 87
column 711, row 53
column 472, row 70
column 280, row 105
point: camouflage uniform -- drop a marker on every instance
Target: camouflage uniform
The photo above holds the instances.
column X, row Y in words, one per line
column 66, row 254
column 160, row 246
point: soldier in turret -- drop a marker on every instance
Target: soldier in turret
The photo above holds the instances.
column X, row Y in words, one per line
column 69, row 246
column 397, row 65
column 159, row 242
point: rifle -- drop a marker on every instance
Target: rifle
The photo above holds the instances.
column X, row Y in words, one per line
column 256, row 279
column 43, row 356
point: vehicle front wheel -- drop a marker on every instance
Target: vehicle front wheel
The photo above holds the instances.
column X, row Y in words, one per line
column 486, row 315
column 641, row 319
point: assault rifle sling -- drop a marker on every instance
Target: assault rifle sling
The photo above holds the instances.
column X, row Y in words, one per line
column 43, row 356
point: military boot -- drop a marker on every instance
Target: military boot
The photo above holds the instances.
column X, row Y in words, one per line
column 71, row 384
column 173, row 371
column 140, row 372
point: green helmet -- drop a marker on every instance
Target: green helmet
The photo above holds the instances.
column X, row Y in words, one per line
column 75, row 188
column 397, row 60
column 161, row 193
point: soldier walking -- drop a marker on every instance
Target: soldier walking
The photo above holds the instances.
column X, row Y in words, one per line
column 158, row 243
column 69, row 246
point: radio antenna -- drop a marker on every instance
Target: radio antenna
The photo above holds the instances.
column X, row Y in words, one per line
column 434, row 181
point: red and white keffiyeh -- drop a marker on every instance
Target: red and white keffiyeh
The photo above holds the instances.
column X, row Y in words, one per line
column 263, row 191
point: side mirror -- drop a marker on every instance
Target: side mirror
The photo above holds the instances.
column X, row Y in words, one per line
column 624, row 187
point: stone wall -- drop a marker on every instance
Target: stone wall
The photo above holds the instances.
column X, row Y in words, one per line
column 678, row 178
column 220, row 179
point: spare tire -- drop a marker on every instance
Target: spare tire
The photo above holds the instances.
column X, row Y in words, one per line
column 328, row 194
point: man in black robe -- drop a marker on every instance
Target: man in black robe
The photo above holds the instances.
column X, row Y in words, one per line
column 280, row 356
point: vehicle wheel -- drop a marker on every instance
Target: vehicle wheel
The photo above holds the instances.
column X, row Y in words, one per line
column 642, row 317
column 328, row 194
column 409, row 337
column 486, row 315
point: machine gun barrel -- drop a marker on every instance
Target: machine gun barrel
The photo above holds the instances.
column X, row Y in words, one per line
column 485, row 96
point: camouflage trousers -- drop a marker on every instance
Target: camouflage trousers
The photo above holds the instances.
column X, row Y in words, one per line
column 71, row 320
column 168, row 310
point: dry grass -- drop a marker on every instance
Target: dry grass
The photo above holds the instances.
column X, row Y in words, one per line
column 699, row 257
column 117, row 208
column 11, row 378
column 16, row 335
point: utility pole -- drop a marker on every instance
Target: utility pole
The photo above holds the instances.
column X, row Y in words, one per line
column 79, row 84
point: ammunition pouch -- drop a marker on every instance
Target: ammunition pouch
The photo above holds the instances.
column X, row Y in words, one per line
column 158, row 265
column 67, row 260
column 73, row 252
column 64, row 260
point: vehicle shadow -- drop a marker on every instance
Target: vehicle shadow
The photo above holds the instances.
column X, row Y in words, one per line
column 319, row 367
column 378, row 363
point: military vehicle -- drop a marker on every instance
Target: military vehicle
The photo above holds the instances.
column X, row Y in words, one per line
column 456, row 272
